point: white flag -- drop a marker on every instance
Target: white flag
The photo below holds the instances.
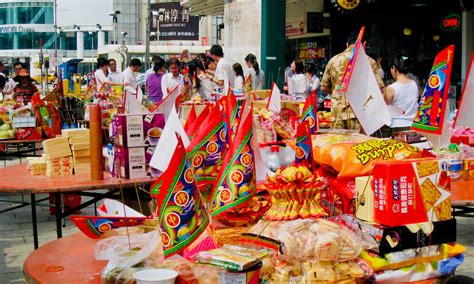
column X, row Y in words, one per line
column 365, row 97
column 465, row 115
column 168, row 141
column 291, row 85
column 274, row 101
column 169, row 103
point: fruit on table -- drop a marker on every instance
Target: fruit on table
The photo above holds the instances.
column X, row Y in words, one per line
column 6, row 131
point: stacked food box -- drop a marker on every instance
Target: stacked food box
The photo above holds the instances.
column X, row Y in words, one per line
column 36, row 166
column 79, row 139
column 58, row 157
column 406, row 207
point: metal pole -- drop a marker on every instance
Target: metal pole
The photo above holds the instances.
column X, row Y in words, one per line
column 147, row 36
column 92, row 62
column 55, row 37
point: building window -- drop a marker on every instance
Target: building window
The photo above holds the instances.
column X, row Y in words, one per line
column 23, row 14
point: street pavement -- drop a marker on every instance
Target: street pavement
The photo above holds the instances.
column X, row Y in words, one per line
column 16, row 239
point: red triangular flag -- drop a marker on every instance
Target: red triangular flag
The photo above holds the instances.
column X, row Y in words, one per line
column 180, row 210
column 191, row 118
column 309, row 113
column 207, row 148
column 236, row 181
column 193, row 128
column 303, row 151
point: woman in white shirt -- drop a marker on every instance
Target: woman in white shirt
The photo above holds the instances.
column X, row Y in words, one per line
column 403, row 94
column 301, row 84
column 313, row 80
column 102, row 82
column 239, row 79
column 258, row 77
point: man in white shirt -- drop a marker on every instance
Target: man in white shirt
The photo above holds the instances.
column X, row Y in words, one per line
column 114, row 75
column 128, row 76
column 173, row 79
column 223, row 76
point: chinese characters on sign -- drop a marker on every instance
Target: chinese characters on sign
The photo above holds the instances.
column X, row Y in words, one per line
column 173, row 22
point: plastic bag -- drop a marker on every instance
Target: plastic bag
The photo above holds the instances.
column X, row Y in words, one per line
column 309, row 239
column 123, row 255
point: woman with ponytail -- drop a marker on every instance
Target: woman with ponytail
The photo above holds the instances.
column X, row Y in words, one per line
column 403, row 93
column 258, row 77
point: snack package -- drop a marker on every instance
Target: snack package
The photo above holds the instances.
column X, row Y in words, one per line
column 411, row 191
column 355, row 154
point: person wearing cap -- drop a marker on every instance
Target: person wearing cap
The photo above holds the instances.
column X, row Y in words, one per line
column 25, row 88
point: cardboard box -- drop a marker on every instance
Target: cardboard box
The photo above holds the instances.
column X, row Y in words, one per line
column 138, row 130
column 411, row 191
column 398, row 238
column 29, row 133
column 364, row 199
column 133, row 162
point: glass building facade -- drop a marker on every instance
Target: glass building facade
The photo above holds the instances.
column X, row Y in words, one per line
column 27, row 24
column 24, row 24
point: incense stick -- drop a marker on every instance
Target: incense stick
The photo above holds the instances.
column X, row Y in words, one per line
column 138, row 198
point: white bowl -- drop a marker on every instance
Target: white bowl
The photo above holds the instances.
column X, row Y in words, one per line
column 155, row 276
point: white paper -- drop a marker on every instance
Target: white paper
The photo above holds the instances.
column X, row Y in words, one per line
column 274, row 101
column 139, row 95
column 114, row 208
column 291, row 85
column 133, row 106
column 168, row 141
column 465, row 115
column 365, row 97
column 169, row 103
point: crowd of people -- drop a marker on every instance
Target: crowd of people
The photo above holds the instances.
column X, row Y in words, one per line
column 213, row 74
column 207, row 75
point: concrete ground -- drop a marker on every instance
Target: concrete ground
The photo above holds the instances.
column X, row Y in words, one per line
column 16, row 240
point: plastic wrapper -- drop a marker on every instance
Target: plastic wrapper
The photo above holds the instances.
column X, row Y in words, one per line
column 308, row 239
column 352, row 271
column 355, row 155
column 396, row 260
column 420, row 271
column 123, row 255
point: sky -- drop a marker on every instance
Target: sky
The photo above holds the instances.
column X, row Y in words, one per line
column 84, row 12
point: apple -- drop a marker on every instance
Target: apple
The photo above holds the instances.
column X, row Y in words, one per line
column 3, row 134
column 11, row 133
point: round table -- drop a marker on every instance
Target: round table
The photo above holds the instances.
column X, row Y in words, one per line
column 67, row 260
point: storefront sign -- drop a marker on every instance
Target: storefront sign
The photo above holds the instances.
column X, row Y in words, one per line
column 310, row 50
column 296, row 28
column 346, row 6
column 16, row 29
column 451, row 23
column 174, row 22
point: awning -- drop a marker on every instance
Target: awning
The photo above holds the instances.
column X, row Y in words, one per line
column 204, row 8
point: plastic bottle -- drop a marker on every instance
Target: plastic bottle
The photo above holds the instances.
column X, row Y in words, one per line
column 271, row 157
column 454, row 157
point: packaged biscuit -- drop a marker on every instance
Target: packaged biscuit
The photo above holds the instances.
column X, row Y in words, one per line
column 411, row 191
column 355, row 155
